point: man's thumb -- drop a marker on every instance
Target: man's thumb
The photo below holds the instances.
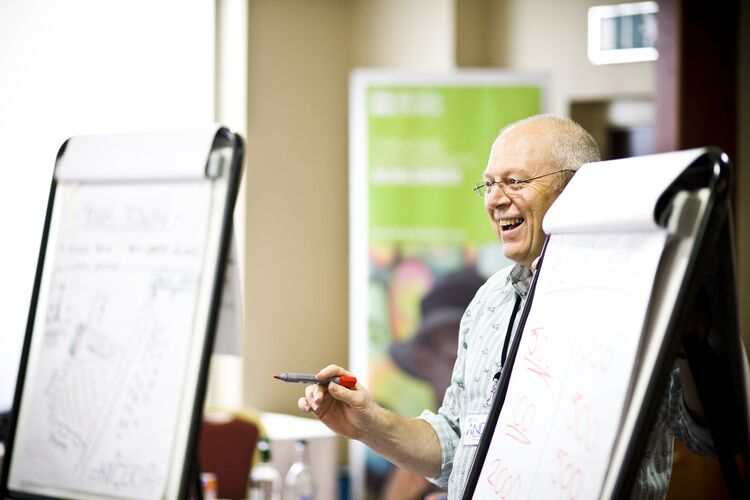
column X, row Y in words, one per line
column 341, row 393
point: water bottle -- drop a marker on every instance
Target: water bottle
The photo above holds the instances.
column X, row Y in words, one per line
column 209, row 486
column 264, row 482
column 298, row 484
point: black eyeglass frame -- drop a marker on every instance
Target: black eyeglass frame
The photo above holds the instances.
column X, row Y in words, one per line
column 510, row 182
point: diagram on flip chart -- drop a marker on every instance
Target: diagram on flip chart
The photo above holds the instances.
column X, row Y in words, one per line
column 116, row 314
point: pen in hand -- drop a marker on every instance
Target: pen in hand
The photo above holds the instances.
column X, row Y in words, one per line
column 344, row 380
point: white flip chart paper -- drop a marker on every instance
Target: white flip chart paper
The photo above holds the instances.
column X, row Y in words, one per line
column 566, row 396
column 589, row 328
column 111, row 350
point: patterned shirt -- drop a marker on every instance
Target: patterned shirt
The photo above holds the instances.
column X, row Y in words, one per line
column 480, row 344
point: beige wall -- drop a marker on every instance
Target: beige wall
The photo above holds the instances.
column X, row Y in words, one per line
column 296, row 249
column 547, row 36
column 412, row 34
column 300, row 56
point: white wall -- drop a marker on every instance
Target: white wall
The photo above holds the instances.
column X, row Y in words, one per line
column 83, row 66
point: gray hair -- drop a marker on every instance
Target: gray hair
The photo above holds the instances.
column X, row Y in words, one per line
column 572, row 144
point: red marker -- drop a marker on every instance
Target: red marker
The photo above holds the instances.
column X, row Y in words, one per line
column 345, row 380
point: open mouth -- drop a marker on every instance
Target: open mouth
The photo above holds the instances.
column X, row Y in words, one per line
column 508, row 224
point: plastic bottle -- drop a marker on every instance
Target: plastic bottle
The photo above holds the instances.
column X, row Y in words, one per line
column 298, row 484
column 264, row 482
column 210, row 486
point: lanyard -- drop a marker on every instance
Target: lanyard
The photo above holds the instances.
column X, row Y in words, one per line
column 509, row 331
column 496, row 378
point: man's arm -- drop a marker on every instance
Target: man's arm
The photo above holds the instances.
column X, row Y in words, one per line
column 700, row 325
column 690, row 393
column 409, row 443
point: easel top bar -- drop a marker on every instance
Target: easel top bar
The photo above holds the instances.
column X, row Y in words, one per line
column 136, row 156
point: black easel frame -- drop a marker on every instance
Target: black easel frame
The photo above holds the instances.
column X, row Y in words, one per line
column 223, row 138
column 715, row 357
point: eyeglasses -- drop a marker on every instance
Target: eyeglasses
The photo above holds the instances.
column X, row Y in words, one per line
column 510, row 184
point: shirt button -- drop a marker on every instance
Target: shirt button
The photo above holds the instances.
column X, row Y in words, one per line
column 476, row 379
column 461, row 385
column 465, row 345
column 496, row 326
column 485, row 351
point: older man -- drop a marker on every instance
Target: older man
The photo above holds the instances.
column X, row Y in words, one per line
column 530, row 163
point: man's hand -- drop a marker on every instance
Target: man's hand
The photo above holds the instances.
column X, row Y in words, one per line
column 348, row 412
column 409, row 443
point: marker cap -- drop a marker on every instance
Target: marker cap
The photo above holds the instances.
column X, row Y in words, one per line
column 346, row 381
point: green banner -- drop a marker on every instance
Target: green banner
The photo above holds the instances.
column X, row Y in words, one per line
column 421, row 241
column 427, row 147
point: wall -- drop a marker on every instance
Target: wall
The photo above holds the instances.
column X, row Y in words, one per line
column 547, row 36
column 296, row 184
column 300, row 56
column 413, row 34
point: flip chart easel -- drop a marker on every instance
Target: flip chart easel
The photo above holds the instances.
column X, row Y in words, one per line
column 622, row 272
column 123, row 316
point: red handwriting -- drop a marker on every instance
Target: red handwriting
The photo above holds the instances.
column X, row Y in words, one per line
column 541, row 354
column 567, row 477
column 504, row 483
column 582, row 423
column 595, row 354
column 523, row 416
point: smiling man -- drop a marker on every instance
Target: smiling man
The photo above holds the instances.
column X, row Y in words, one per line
column 530, row 163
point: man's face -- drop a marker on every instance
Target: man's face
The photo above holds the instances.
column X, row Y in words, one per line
column 516, row 216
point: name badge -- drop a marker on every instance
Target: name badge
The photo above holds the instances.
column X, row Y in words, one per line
column 474, row 427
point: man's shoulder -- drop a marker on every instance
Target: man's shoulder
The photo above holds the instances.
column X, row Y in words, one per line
column 498, row 279
column 501, row 276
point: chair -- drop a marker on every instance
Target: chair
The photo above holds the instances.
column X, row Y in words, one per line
column 226, row 449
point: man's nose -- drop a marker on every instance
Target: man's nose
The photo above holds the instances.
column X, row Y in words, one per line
column 496, row 196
